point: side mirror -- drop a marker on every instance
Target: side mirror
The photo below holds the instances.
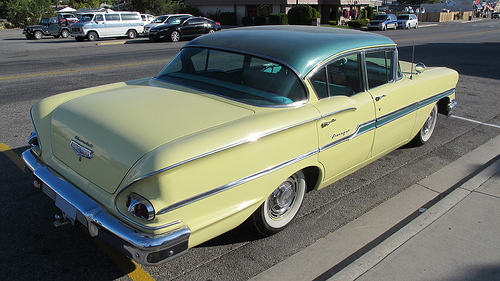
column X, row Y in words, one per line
column 420, row 67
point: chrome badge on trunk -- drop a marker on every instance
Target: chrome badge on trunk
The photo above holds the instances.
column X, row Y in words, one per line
column 81, row 150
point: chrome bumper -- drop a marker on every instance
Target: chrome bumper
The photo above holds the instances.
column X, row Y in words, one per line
column 77, row 206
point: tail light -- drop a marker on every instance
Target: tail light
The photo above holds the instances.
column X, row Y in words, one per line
column 140, row 207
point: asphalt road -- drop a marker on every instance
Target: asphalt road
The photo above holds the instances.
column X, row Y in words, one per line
column 31, row 70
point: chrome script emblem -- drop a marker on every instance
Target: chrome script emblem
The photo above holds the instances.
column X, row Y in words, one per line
column 81, row 150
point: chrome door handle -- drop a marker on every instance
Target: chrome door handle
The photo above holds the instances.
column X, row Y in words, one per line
column 380, row 97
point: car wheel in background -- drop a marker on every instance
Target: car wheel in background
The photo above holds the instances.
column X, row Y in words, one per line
column 281, row 206
column 175, row 36
column 64, row 33
column 38, row 35
column 92, row 36
column 131, row 34
column 427, row 129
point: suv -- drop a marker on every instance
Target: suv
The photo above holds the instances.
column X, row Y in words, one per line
column 383, row 22
column 407, row 21
column 495, row 15
column 48, row 27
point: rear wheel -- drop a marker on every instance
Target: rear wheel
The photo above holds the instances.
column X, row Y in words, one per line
column 131, row 34
column 427, row 129
column 281, row 206
column 38, row 35
column 175, row 36
column 92, row 36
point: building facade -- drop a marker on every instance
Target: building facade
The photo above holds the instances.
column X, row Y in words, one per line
column 331, row 10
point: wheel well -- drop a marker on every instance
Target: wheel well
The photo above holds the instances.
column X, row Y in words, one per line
column 443, row 105
column 312, row 177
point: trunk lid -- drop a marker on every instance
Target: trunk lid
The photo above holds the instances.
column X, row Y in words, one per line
column 101, row 135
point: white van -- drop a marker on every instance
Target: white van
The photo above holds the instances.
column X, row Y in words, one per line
column 107, row 24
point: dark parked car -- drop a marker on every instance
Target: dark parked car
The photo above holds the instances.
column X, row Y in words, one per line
column 495, row 15
column 183, row 27
column 48, row 27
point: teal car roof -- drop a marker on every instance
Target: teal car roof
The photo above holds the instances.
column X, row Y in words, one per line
column 301, row 47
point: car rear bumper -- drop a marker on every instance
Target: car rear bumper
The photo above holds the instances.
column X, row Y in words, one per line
column 77, row 206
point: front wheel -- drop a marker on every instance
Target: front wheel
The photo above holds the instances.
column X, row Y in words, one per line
column 427, row 129
column 281, row 206
column 92, row 36
column 175, row 36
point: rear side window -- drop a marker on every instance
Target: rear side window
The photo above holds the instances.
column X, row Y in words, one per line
column 130, row 17
column 341, row 77
column 112, row 17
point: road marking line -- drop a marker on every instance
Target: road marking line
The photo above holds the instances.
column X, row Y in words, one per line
column 474, row 121
column 82, row 70
column 12, row 156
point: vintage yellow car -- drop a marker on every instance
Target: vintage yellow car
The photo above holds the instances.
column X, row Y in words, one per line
column 237, row 127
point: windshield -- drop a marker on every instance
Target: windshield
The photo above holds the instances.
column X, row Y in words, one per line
column 86, row 18
column 403, row 17
column 240, row 77
column 160, row 19
column 380, row 17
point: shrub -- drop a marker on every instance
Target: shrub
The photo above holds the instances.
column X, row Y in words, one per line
column 247, row 20
column 357, row 23
column 228, row 18
column 281, row 19
column 302, row 14
column 333, row 22
column 260, row 20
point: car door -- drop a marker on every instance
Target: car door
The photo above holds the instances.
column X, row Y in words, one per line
column 393, row 99
column 345, row 128
column 189, row 27
column 100, row 25
column 54, row 26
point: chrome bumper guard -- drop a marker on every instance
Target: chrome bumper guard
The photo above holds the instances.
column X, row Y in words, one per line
column 77, row 206
column 451, row 106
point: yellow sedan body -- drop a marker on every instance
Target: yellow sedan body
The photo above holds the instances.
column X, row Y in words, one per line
column 238, row 126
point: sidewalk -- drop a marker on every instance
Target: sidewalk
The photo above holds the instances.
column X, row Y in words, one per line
column 445, row 227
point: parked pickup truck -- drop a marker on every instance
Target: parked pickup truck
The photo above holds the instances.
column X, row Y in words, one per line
column 48, row 27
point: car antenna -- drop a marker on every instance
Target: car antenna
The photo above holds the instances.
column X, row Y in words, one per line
column 412, row 59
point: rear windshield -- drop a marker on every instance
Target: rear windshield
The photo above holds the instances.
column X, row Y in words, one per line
column 240, row 77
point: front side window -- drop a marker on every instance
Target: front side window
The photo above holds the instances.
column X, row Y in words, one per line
column 342, row 77
column 379, row 68
column 240, row 77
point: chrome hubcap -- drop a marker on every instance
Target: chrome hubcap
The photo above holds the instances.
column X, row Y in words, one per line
column 283, row 198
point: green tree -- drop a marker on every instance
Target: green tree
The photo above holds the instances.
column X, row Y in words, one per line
column 21, row 13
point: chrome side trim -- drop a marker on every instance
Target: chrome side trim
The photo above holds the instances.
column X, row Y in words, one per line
column 148, row 249
column 361, row 129
column 235, row 183
column 383, row 120
column 248, row 139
